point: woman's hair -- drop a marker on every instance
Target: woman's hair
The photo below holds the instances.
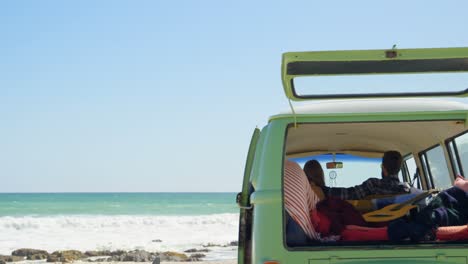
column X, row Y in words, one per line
column 314, row 172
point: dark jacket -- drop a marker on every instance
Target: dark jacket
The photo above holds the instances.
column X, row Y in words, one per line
column 387, row 185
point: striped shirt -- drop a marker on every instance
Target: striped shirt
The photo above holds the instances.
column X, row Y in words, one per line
column 299, row 199
column 387, row 185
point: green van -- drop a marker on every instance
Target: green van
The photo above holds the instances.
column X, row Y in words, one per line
column 392, row 101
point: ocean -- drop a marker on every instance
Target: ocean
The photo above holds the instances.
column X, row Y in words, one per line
column 125, row 221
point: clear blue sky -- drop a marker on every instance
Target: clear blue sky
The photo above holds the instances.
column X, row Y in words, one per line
column 164, row 95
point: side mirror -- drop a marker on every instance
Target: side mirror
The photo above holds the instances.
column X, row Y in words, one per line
column 334, row 165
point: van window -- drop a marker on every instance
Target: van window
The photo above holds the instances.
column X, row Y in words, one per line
column 462, row 148
column 357, row 148
column 355, row 169
column 454, row 158
column 411, row 167
column 438, row 169
column 424, row 163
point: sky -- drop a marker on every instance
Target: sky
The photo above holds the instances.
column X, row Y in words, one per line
column 163, row 96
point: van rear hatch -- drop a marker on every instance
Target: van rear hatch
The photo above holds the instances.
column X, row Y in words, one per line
column 375, row 73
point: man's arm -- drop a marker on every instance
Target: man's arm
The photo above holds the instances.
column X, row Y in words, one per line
column 357, row 192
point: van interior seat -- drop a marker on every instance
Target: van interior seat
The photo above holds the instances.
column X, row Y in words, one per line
column 363, row 234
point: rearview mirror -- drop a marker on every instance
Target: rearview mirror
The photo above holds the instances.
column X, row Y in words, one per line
column 334, row 165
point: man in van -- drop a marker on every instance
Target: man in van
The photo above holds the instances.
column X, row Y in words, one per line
column 388, row 184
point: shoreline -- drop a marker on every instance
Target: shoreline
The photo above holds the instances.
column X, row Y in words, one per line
column 123, row 232
column 227, row 261
column 199, row 255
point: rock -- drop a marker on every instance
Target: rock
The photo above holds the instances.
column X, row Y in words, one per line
column 196, row 257
column 157, row 240
column 94, row 259
column 94, row 253
column 211, row 245
column 157, row 260
column 38, row 256
column 172, row 256
column 193, row 250
column 134, row 256
column 91, row 253
column 117, row 253
column 65, row 256
column 137, row 256
column 26, row 252
column 53, row 258
column 11, row 258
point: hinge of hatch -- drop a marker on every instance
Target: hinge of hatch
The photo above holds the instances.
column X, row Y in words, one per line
column 239, row 203
column 293, row 112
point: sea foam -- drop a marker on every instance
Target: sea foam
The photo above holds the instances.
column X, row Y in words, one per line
column 91, row 232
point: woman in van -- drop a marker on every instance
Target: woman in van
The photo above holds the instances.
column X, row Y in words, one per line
column 314, row 173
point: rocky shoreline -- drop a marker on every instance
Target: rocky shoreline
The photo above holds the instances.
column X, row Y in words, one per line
column 67, row 256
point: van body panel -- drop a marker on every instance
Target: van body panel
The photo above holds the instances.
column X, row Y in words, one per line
column 268, row 237
column 258, row 153
column 271, row 158
column 268, row 241
column 378, row 106
column 245, row 215
column 374, row 117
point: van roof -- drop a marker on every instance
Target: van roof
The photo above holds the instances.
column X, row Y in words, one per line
column 356, row 106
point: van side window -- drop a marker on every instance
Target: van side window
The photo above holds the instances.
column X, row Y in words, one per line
column 461, row 144
column 410, row 166
column 438, row 169
column 423, row 158
column 454, row 158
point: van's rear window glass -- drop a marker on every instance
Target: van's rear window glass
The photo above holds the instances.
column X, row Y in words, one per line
column 355, row 169
column 379, row 84
column 438, row 167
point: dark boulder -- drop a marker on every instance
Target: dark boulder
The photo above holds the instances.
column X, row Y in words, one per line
column 194, row 250
column 196, row 257
column 38, row 256
column 53, row 258
column 26, row 252
column 117, row 253
column 133, row 256
column 65, row 256
column 94, row 253
column 172, row 256
column 211, row 245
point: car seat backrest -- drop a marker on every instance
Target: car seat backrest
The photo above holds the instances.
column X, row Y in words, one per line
column 299, row 199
